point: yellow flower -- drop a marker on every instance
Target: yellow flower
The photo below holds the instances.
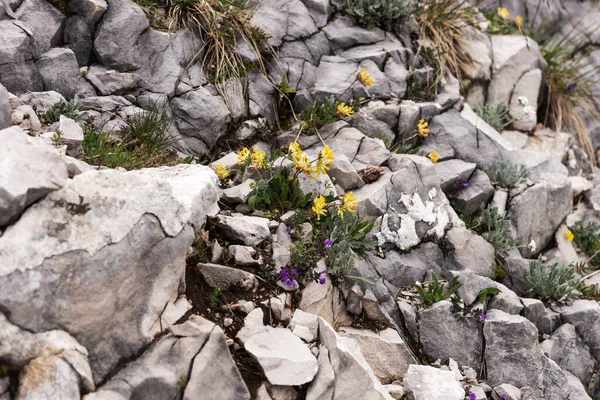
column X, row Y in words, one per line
column 223, row 171
column 258, row 159
column 503, row 13
column 319, row 207
column 326, row 158
column 364, row 77
column 422, row 129
column 303, row 165
column 294, row 150
column 519, row 21
column 433, row 156
column 244, row 157
column 349, row 204
column 343, row 110
column 569, row 236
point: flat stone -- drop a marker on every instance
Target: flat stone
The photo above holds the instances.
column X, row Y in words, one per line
column 226, row 278
column 425, row 383
column 249, row 230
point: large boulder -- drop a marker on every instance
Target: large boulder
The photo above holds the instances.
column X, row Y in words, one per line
column 584, row 315
column 18, row 72
column 566, row 348
column 5, row 109
column 194, row 353
column 29, row 170
column 60, row 72
column 467, row 250
column 539, row 210
column 202, row 116
column 121, row 238
column 43, row 21
column 288, row 19
column 117, row 36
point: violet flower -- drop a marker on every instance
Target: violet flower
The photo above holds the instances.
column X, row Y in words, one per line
column 472, row 396
column 328, row 242
column 288, row 229
column 295, row 272
column 483, row 317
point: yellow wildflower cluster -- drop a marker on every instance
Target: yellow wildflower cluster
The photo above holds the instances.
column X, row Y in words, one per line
column 258, row 158
column 364, row 77
column 569, row 235
column 422, row 128
column 223, row 171
column 303, row 164
column 433, row 156
column 244, row 158
column 349, row 204
column 503, row 13
column 325, row 159
column 319, row 207
column 343, row 110
column 519, row 21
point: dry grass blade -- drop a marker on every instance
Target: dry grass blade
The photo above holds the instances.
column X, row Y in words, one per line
column 443, row 24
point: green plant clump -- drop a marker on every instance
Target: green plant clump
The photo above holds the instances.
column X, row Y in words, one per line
column 495, row 115
column 494, row 228
column 70, row 109
column 505, row 174
column 319, row 114
column 553, row 283
column 386, row 13
column 214, row 298
column 435, row 291
column 279, row 193
column 143, row 142
column 587, row 239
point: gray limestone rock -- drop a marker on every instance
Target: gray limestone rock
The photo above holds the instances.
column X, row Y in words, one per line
column 60, row 72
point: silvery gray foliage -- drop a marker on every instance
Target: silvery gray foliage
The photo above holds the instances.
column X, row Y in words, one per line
column 376, row 11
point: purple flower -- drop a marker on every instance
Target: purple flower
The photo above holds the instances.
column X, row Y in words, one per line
column 294, row 272
column 572, row 87
column 288, row 229
column 472, row 396
column 465, row 185
column 324, row 272
column 328, row 242
column 322, row 281
column 483, row 317
column 283, row 273
column 289, row 282
column 504, row 396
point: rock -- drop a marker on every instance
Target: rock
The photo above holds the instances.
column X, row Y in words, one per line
column 544, row 319
column 42, row 101
column 253, row 325
column 539, row 210
column 342, row 33
column 43, row 21
column 323, row 300
column 472, row 284
column 452, row 170
column 558, row 385
column 320, row 11
column 118, row 34
column 305, row 320
column 385, row 351
column 283, row 357
column 111, row 82
column 354, row 377
column 129, row 255
column 512, row 57
column 335, row 74
column 78, row 38
column 240, row 193
column 584, row 315
column 289, row 20
column 32, row 169
column 322, row 386
column 243, row 255
column 202, row 116
column 249, row 230
column 580, row 185
column 528, row 86
column 467, row 250
column 509, row 390
column 567, row 349
column 5, row 109
column 398, row 76
column 24, row 117
column 512, row 351
column 71, row 135
column 424, row 383
column 457, row 135
column 478, row 50
column 60, row 72
column 345, row 174
column 18, row 72
column 226, row 278
column 407, row 268
column 446, row 334
column 57, row 377
column 214, row 371
column 91, row 10
column 478, row 194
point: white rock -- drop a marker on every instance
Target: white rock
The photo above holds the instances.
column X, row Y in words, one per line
column 426, row 383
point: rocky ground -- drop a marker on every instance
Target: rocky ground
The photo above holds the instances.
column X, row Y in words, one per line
column 163, row 283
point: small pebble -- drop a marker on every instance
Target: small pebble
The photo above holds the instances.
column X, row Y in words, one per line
column 227, row 322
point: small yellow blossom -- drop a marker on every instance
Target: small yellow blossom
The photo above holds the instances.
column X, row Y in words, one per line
column 343, row 110
column 259, row 159
column 302, row 164
column 244, row 157
column 569, row 235
column 433, row 156
column 294, row 150
column 364, row 77
column 503, row 13
column 349, row 204
column 325, row 159
column 223, row 171
column 319, row 207
column 519, row 21
column 422, row 128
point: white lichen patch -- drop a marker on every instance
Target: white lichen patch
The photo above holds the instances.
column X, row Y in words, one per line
column 406, row 235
